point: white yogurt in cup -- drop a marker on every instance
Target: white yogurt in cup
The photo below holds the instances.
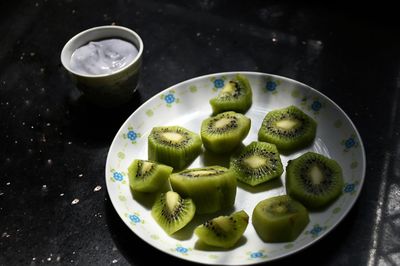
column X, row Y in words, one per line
column 104, row 62
column 103, row 56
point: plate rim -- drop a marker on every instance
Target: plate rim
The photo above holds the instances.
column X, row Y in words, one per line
column 190, row 80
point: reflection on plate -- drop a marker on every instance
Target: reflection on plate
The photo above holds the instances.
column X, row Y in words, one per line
column 187, row 104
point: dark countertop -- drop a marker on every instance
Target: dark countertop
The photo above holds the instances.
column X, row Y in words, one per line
column 54, row 145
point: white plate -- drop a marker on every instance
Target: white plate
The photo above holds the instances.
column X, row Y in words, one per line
column 187, row 104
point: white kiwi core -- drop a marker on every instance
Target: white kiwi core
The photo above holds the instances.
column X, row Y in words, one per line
column 172, row 199
column 287, row 124
column 173, row 136
column 255, row 161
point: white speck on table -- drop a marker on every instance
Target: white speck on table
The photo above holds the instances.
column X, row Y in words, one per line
column 75, row 201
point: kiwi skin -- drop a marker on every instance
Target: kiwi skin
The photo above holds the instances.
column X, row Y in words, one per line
column 223, row 231
column 314, row 198
column 213, row 190
column 279, row 219
column 229, row 140
column 158, row 176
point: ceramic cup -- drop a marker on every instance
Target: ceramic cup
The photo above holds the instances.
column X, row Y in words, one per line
column 106, row 90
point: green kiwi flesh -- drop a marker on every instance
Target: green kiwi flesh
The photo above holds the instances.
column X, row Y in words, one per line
column 211, row 188
column 236, row 96
column 289, row 129
column 314, row 180
column 257, row 163
column 279, row 219
column 174, row 146
column 224, row 132
column 172, row 212
column 147, row 176
column 223, row 231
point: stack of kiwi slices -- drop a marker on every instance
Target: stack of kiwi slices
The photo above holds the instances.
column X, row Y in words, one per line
column 312, row 181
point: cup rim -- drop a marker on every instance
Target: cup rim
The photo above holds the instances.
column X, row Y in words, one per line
column 80, row 34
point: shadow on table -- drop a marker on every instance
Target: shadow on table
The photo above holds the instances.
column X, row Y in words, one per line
column 136, row 251
column 96, row 125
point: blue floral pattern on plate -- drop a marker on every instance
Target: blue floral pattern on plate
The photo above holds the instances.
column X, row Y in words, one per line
column 316, row 105
column 316, row 230
column 170, row 98
column 219, row 83
column 134, row 218
column 257, row 254
column 350, row 188
column 350, row 143
column 132, row 135
column 313, row 104
column 118, row 176
column 182, row 250
column 271, row 85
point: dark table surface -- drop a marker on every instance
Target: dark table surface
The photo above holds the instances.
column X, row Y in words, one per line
column 54, row 144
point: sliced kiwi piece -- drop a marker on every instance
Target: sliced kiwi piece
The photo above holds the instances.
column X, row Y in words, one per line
column 211, row 188
column 175, row 146
column 172, row 212
column 147, row 176
column 223, row 231
column 289, row 129
column 314, row 180
column 279, row 219
column 236, row 96
column 224, row 132
column 257, row 163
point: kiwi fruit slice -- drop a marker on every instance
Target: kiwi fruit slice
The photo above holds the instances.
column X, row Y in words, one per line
column 174, row 146
column 289, row 129
column 147, row 176
column 236, row 96
column 211, row 188
column 172, row 212
column 257, row 163
column 314, row 180
column 224, row 132
column 223, row 231
column 279, row 219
